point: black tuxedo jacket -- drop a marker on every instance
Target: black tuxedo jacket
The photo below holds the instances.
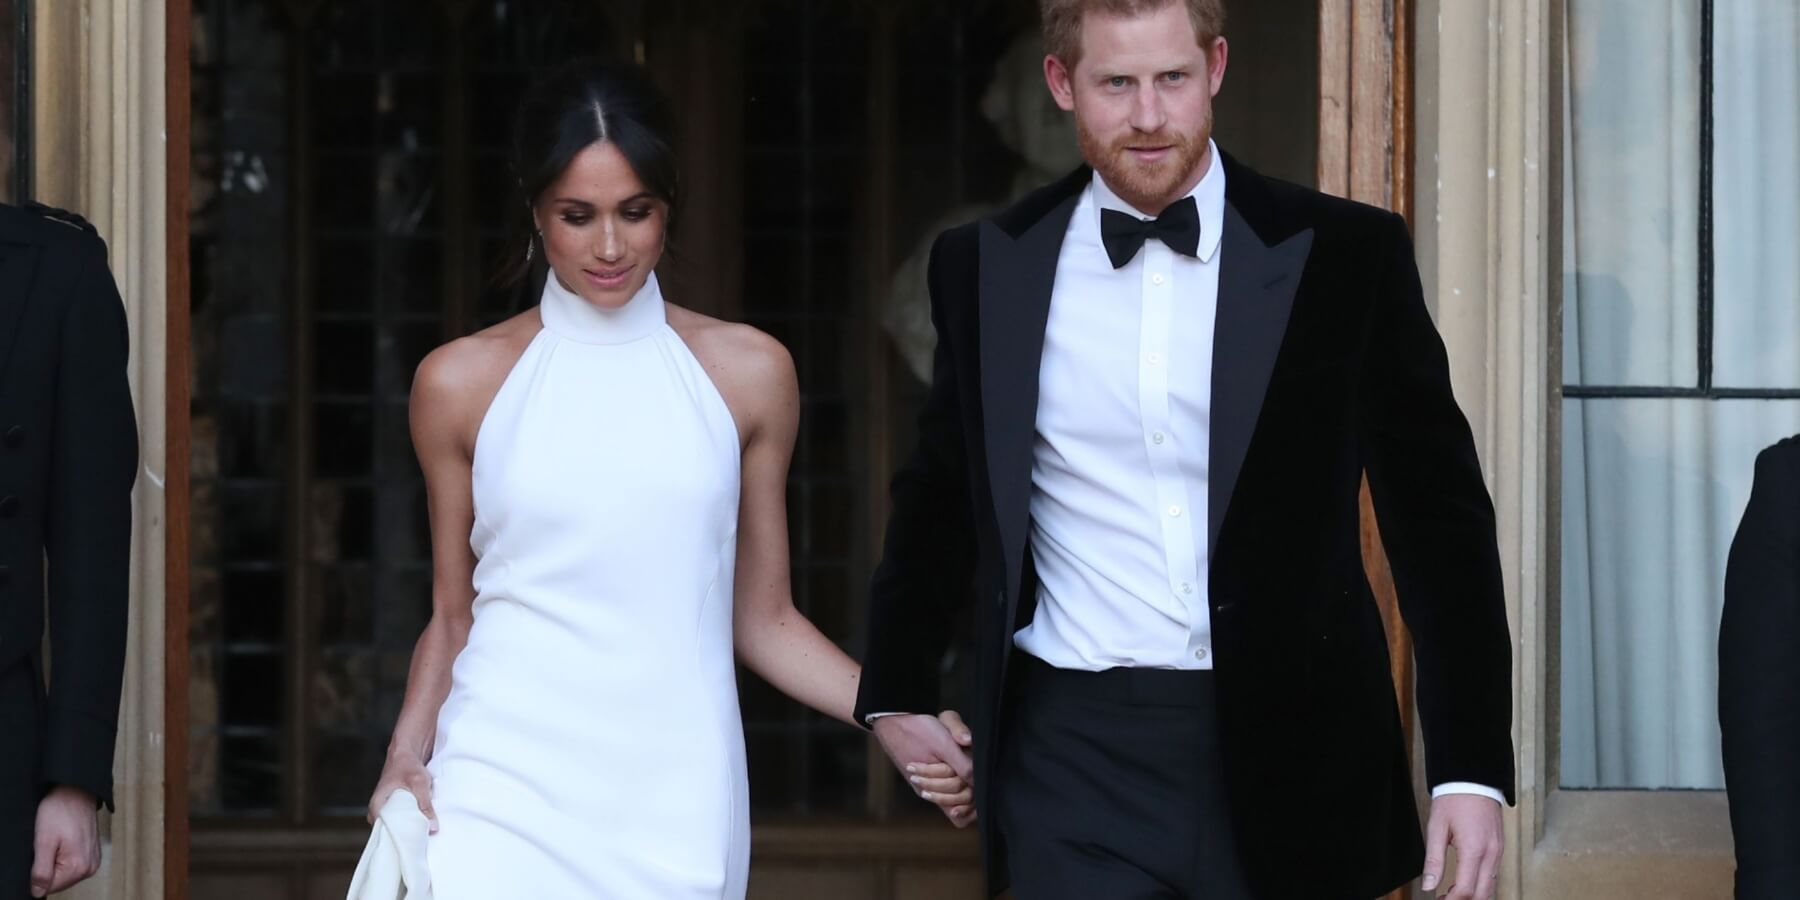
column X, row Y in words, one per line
column 68, row 458
column 1759, row 679
column 1326, row 365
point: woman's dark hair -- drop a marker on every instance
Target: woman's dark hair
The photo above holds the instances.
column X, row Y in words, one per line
column 576, row 105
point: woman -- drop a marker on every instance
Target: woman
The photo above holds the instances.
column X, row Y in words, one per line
column 606, row 475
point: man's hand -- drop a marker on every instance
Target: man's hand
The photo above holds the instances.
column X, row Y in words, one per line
column 1471, row 824
column 68, row 841
column 930, row 752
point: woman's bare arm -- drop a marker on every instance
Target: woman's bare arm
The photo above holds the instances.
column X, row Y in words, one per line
column 450, row 395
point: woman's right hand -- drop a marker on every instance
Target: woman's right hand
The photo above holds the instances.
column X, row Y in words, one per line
column 404, row 769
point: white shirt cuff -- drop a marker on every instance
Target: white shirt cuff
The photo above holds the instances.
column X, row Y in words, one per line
column 1464, row 787
column 871, row 717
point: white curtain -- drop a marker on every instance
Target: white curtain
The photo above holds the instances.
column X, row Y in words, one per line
column 1653, row 488
column 1756, row 191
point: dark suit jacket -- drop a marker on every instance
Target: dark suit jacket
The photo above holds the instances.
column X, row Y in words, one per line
column 68, row 458
column 1759, row 679
column 1326, row 364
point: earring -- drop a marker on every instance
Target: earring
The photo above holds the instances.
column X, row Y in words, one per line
column 530, row 247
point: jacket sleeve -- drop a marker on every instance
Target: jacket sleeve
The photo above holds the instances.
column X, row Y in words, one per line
column 1759, row 679
column 928, row 557
column 1437, row 523
column 94, row 456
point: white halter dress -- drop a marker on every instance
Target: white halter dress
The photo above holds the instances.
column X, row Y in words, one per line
column 591, row 745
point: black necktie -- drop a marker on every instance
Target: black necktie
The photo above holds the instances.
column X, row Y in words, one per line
column 1124, row 234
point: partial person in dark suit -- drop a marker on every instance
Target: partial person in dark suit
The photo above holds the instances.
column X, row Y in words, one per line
column 1759, row 680
column 1157, row 386
column 68, row 458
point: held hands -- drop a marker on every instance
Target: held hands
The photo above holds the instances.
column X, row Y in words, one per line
column 1471, row 824
column 404, row 769
column 932, row 753
column 67, row 849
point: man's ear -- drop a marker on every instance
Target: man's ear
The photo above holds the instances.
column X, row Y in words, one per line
column 1061, row 80
column 1216, row 56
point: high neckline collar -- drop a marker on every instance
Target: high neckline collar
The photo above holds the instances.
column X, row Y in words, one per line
column 567, row 315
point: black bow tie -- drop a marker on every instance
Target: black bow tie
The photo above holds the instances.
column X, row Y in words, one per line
column 1124, row 234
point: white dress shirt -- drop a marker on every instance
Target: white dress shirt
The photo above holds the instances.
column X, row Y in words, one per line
column 1118, row 474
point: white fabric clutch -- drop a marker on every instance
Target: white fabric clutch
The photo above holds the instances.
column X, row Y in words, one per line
column 393, row 864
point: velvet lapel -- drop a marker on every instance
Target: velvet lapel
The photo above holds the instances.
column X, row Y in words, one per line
column 1018, row 257
column 1257, row 283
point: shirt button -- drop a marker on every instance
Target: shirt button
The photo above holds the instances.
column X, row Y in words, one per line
column 1200, row 653
column 1156, row 279
column 1174, row 511
column 1157, row 437
column 1187, row 588
column 1155, row 358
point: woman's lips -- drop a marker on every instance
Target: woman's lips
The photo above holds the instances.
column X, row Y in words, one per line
column 609, row 279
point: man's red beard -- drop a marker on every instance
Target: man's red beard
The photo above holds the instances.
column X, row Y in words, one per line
column 1147, row 187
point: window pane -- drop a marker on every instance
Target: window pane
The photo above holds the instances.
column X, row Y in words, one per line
column 1653, row 488
column 1756, row 181
column 250, row 773
column 1652, row 493
column 1631, row 193
column 255, row 597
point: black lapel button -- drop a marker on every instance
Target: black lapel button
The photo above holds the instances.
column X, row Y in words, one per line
column 15, row 436
column 9, row 507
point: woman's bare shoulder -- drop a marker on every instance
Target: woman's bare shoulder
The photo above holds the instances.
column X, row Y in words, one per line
column 733, row 351
column 458, row 380
column 752, row 369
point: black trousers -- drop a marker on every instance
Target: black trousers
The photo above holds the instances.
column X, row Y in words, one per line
column 21, row 726
column 1109, row 784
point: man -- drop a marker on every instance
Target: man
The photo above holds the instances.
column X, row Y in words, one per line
column 1759, row 679
column 68, row 457
column 1157, row 387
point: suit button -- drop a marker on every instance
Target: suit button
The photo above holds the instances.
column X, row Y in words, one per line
column 15, row 436
column 9, row 507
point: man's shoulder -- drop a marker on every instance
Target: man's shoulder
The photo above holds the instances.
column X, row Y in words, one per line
column 960, row 239
column 1781, row 460
column 1329, row 208
column 48, row 226
column 1272, row 204
column 956, row 250
column 962, row 242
